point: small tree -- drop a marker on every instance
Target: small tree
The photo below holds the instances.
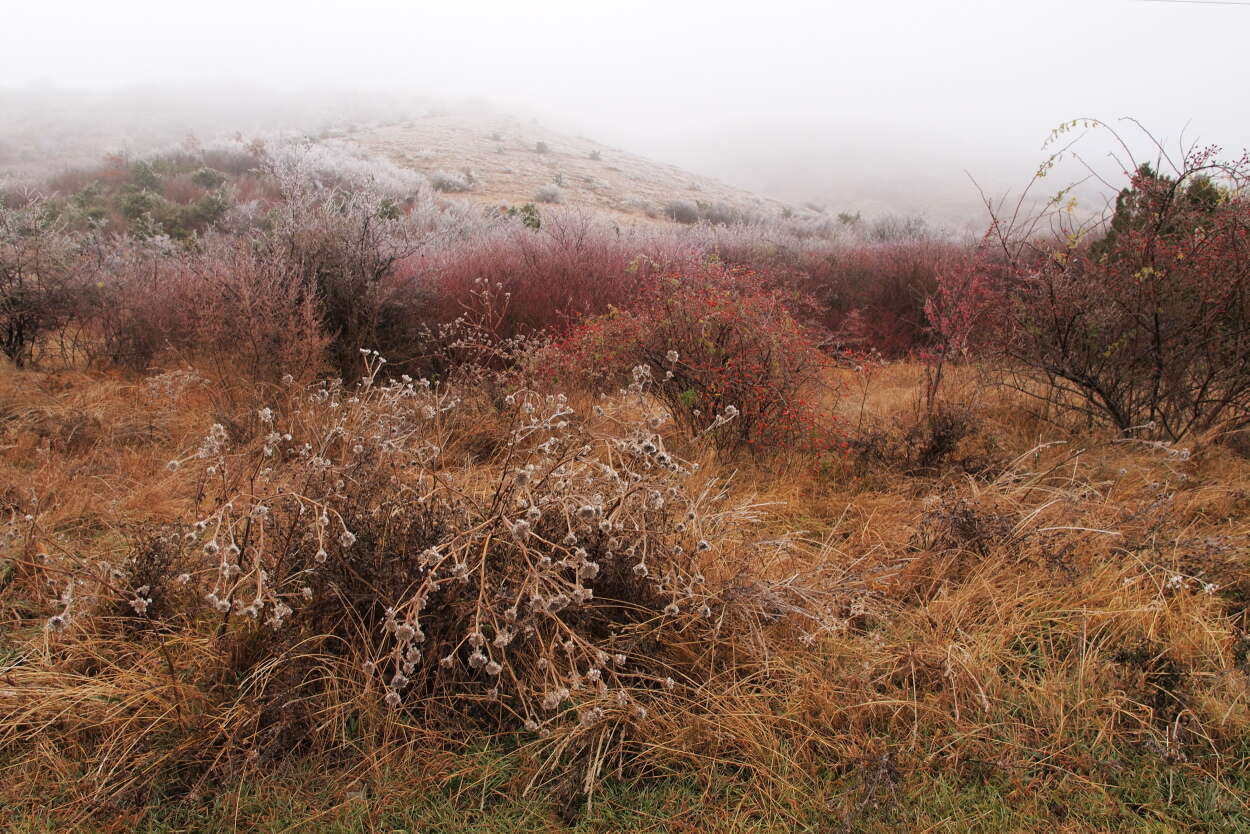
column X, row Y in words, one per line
column 964, row 301
column 35, row 274
column 1147, row 326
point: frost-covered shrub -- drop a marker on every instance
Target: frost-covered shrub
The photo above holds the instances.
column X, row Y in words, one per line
column 449, row 183
column 569, row 584
column 549, row 193
column 346, row 247
column 37, row 269
column 682, row 211
column 340, row 164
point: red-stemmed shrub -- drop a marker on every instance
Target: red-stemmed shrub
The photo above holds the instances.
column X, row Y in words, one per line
column 875, row 293
column 720, row 349
column 962, row 313
column 549, row 278
column 870, row 294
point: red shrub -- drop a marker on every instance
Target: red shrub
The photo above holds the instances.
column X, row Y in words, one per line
column 871, row 294
column 180, row 189
column 885, row 285
column 961, row 312
column 113, row 172
column 720, row 349
column 549, row 278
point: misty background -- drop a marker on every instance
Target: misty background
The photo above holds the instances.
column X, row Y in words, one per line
column 876, row 107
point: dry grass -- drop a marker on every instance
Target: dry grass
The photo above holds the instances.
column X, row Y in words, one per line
column 1066, row 627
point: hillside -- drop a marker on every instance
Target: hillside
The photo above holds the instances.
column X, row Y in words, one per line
column 331, row 501
column 496, row 157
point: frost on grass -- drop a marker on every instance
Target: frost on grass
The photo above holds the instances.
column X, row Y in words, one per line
column 545, row 590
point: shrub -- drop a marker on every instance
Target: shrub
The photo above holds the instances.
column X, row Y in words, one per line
column 1149, row 327
column 875, row 294
column 341, row 564
column 549, row 194
column 682, row 211
column 541, row 147
column 547, row 278
column 961, row 313
column 721, row 350
column 232, row 156
column 721, row 214
column 251, row 319
column 317, row 276
column 447, row 182
column 234, row 309
column 36, row 274
column 340, row 165
column 208, row 178
column 146, row 305
column 345, row 248
column 527, row 214
column 927, row 445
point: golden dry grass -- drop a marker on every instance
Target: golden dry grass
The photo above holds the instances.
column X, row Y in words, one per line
column 1075, row 613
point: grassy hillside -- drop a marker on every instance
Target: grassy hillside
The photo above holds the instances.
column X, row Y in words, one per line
column 333, row 501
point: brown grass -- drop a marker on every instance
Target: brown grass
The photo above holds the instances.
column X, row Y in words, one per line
column 1077, row 607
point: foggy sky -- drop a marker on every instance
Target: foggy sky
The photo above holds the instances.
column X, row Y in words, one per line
column 880, row 104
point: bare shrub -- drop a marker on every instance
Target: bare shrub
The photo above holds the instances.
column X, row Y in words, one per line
column 251, row 318
column 565, row 589
column 926, row 445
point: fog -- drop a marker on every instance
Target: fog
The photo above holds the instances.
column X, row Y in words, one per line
column 872, row 106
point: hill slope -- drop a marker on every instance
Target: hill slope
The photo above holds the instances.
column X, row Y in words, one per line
column 497, row 156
